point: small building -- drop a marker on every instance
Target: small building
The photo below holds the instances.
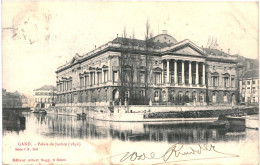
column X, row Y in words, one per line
column 249, row 87
column 45, row 96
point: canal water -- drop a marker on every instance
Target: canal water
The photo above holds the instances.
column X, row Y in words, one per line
column 120, row 136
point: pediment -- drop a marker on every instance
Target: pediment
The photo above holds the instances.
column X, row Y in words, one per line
column 187, row 50
column 75, row 59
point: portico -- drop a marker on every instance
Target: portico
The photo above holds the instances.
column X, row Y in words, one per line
column 183, row 72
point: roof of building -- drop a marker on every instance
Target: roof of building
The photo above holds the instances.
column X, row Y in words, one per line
column 251, row 74
column 215, row 52
column 141, row 43
column 46, row 87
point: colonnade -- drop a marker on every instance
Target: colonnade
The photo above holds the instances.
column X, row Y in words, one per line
column 176, row 70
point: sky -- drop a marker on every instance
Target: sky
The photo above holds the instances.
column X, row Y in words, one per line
column 38, row 37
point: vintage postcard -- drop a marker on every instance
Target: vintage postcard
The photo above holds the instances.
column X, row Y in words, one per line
column 105, row 82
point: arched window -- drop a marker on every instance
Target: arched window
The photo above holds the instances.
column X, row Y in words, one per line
column 201, row 97
column 214, row 100
column 187, row 97
column 115, row 94
column 194, row 96
column 225, row 97
column 156, row 95
column 172, row 96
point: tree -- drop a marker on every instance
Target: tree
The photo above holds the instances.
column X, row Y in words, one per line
column 130, row 63
column 148, row 58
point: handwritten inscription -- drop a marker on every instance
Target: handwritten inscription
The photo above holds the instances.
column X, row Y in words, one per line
column 175, row 151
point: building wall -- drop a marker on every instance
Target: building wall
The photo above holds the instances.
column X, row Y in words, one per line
column 249, row 90
column 219, row 89
column 44, row 96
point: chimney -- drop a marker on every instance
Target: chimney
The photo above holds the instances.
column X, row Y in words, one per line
column 202, row 46
column 116, row 35
column 164, row 31
column 95, row 46
column 228, row 51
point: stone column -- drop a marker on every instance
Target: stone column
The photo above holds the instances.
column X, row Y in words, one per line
column 190, row 76
column 203, row 74
column 96, row 78
column 89, row 79
column 162, row 73
column 230, row 82
column 102, row 76
column 197, row 73
column 85, row 81
column 109, row 69
column 168, row 71
column 175, row 72
column 182, row 73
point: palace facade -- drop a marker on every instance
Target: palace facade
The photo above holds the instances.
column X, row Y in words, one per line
column 160, row 70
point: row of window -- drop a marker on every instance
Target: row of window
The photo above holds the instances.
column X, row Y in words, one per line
column 248, row 82
column 226, row 81
column 44, row 93
column 44, row 100
column 64, row 86
column 96, row 78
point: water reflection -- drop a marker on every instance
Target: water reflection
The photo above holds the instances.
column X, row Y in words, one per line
column 69, row 127
column 14, row 121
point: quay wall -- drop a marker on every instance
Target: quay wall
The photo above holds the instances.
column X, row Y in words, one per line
column 139, row 113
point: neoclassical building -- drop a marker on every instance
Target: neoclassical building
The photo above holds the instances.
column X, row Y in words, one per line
column 160, row 70
column 45, row 95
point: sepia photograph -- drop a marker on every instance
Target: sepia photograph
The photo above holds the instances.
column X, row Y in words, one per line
column 106, row 82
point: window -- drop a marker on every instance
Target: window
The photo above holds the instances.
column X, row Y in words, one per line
column 248, row 82
column 226, row 81
column 243, row 83
column 232, row 82
column 92, row 77
column 157, row 78
column 87, row 81
column 142, row 93
column 105, row 75
column 127, row 93
column 215, row 81
column 141, row 77
column 214, row 98
column 253, row 82
column 127, row 76
column 81, row 82
column 156, row 95
column 115, row 76
column 99, row 77
column 225, row 98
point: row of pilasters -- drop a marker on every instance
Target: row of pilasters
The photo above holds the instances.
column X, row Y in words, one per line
column 183, row 73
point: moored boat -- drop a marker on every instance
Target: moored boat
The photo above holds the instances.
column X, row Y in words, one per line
column 252, row 122
column 222, row 122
